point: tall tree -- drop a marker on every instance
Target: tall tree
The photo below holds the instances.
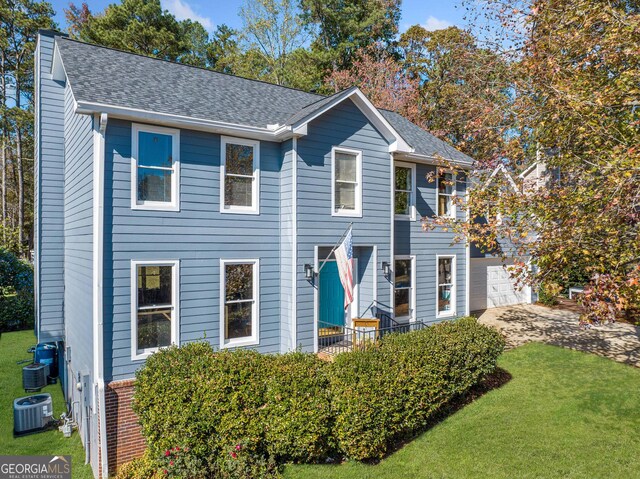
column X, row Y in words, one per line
column 345, row 26
column 141, row 26
column 20, row 22
column 465, row 90
column 275, row 29
column 578, row 94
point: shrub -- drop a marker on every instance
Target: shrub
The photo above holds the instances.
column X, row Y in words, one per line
column 16, row 293
column 193, row 397
column 297, row 414
column 548, row 292
column 391, row 390
column 141, row 468
column 297, row 408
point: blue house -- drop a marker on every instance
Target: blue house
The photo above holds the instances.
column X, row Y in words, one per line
column 174, row 203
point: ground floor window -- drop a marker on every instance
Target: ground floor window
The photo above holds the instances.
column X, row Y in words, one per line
column 446, row 285
column 239, row 302
column 404, row 287
column 154, row 300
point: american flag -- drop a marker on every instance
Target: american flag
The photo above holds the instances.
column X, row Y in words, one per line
column 344, row 258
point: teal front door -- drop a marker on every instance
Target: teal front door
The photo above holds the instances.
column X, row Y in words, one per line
column 331, row 296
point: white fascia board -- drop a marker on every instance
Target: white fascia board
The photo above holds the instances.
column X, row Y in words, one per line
column 179, row 121
column 503, row 169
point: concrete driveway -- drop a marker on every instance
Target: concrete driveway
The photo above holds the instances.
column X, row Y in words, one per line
column 529, row 322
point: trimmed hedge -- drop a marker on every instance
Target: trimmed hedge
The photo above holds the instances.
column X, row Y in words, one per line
column 391, row 390
column 297, row 408
column 193, row 397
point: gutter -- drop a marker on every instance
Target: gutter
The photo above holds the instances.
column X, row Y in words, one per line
column 294, row 244
column 99, row 129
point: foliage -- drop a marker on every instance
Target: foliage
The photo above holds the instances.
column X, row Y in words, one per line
column 144, row 467
column 383, row 393
column 178, row 462
column 297, row 408
column 141, row 26
column 275, row 29
column 241, row 413
column 20, row 21
column 606, row 297
column 575, row 99
column 548, row 293
column 344, row 27
column 277, row 405
column 381, row 78
column 16, row 293
column 238, row 461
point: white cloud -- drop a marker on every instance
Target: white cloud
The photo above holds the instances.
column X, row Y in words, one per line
column 431, row 24
column 182, row 11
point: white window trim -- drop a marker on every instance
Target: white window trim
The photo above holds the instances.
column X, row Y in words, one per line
column 357, row 213
column 175, row 298
column 453, row 195
column 454, row 287
column 254, row 339
column 412, row 210
column 412, row 295
column 174, row 204
column 254, row 209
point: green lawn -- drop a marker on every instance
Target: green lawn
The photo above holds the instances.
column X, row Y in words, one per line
column 564, row 414
column 13, row 347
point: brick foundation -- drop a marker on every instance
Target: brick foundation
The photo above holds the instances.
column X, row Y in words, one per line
column 124, row 440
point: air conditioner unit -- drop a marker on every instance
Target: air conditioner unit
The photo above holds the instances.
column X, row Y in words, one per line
column 32, row 413
column 34, row 376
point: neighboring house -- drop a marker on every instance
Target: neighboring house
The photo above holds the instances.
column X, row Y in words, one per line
column 174, row 203
column 491, row 284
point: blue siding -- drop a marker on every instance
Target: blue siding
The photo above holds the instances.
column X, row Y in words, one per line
column 49, row 201
column 78, row 261
column 286, row 247
column 198, row 235
column 411, row 239
column 346, row 126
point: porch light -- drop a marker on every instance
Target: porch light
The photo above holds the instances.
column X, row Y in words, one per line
column 386, row 268
column 308, row 271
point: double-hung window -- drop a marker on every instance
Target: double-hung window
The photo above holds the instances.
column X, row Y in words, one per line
column 404, row 287
column 446, row 277
column 239, row 302
column 446, row 192
column 240, row 176
column 155, row 168
column 346, row 173
column 405, row 181
column 154, row 300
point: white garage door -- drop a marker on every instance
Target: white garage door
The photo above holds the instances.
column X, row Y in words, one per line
column 491, row 285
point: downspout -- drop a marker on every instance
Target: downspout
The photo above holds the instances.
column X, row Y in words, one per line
column 467, row 293
column 99, row 129
column 294, row 244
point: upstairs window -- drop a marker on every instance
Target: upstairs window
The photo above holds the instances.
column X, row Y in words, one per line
column 446, row 192
column 155, row 168
column 239, row 303
column 405, row 178
column 240, row 176
column 347, row 182
column 154, row 301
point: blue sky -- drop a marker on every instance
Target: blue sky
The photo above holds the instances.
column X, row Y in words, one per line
column 432, row 14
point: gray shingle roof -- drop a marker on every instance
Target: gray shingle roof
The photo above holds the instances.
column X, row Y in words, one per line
column 102, row 75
